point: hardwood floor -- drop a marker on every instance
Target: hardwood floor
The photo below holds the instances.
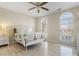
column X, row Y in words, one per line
column 42, row 49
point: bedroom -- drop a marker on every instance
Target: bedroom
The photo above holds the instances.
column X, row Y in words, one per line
column 15, row 15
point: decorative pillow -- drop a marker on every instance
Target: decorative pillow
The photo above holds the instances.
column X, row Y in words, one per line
column 18, row 36
column 35, row 37
column 42, row 36
column 38, row 35
column 30, row 37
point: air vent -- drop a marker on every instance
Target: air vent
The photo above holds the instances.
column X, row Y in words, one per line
column 59, row 9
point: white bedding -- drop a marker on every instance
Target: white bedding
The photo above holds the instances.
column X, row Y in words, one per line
column 4, row 40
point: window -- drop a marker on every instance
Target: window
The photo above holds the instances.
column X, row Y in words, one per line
column 44, row 26
column 66, row 27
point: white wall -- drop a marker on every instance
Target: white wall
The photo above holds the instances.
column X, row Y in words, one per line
column 13, row 18
column 53, row 28
column 37, row 24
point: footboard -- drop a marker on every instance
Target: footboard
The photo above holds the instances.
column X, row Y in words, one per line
column 29, row 38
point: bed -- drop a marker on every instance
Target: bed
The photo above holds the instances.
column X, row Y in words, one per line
column 29, row 38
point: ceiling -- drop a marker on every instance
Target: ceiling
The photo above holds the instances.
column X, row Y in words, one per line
column 22, row 7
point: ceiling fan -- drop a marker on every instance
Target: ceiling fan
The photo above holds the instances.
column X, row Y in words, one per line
column 38, row 6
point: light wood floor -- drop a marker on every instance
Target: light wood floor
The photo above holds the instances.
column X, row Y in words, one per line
column 43, row 49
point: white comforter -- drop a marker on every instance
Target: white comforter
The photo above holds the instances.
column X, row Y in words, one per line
column 4, row 40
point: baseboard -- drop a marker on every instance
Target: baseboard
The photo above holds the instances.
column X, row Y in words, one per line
column 56, row 42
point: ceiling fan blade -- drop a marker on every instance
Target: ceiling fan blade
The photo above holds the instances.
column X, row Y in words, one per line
column 45, row 8
column 33, row 3
column 32, row 8
column 43, row 3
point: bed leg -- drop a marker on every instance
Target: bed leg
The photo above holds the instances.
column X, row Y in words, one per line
column 26, row 48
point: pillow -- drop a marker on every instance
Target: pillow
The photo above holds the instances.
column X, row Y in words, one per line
column 38, row 35
column 18, row 36
column 30, row 37
column 35, row 37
